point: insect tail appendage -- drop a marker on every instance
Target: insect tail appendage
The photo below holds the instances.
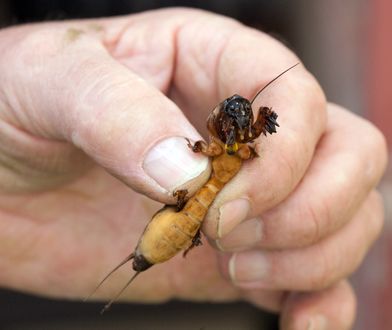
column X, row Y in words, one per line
column 110, row 303
column 128, row 258
column 139, row 264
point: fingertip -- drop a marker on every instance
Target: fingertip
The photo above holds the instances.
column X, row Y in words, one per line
column 172, row 165
column 137, row 133
column 332, row 308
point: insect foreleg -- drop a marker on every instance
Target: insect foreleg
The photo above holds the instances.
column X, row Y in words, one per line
column 265, row 122
column 196, row 241
column 181, row 198
column 211, row 150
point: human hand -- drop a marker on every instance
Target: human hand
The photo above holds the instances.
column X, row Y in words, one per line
column 99, row 86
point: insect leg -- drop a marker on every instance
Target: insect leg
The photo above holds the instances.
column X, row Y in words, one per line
column 211, row 150
column 198, row 146
column 181, row 198
column 265, row 122
column 196, row 241
column 130, row 257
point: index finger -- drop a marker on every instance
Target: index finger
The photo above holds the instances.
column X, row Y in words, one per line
column 237, row 59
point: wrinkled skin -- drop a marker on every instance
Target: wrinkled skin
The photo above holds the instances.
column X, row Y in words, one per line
column 82, row 102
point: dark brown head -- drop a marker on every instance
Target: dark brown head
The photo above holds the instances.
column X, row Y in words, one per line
column 237, row 112
column 232, row 121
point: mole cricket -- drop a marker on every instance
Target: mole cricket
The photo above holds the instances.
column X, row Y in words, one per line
column 176, row 228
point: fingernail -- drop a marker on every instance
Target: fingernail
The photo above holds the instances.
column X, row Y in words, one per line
column 231, row 214
column 317, row 322
column 171, row 163
column 244, row 236
column 249, row 269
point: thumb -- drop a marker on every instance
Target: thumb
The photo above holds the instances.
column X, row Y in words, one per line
column 80, row 94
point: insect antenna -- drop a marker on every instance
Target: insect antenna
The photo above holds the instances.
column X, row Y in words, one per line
column 107, row 306
column 130, row 257
column 278, row 76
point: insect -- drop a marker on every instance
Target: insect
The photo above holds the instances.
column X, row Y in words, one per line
column 177, row 228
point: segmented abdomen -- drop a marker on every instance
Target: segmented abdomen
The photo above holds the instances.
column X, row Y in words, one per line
column 170, row 231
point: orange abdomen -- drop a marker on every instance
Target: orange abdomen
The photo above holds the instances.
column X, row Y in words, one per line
column 169, row 231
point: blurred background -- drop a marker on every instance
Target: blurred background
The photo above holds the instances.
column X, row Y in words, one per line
column 347, row 46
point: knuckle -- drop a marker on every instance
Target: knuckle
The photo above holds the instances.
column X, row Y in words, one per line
column 372, row 156
column 20, row 51
column 330, row 265
column 47, row 41
column 325, row 271
column 37, row 39
column 374, row 136
column 376, row 222
column 318, row 100
column 293, row 158
column 376, row 146
column 314, row 101
column 315, row 220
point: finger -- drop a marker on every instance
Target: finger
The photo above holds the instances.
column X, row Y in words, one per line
column 122, row 122
column 238, row 62
column 338, row 180
column 266, row 181
column 270, row 300
column 332, row 308
column 313, row 267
